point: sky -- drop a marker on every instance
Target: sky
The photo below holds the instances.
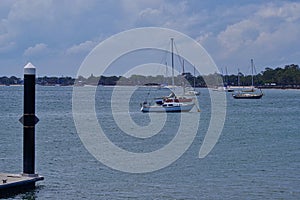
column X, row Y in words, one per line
column 56, row 36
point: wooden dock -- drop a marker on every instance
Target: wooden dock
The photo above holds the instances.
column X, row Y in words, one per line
column 13, row 183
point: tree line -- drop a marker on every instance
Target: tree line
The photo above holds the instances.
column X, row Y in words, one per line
column 286, row 77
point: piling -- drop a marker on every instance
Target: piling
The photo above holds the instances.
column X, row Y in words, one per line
column 18, row 182
column 29, row 120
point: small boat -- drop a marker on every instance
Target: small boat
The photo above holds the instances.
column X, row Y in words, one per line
column 229, row 89
column 227, row 85
column 244, row 95
column 249, row 93
column 167, row 107
column 223, row 89
column 171, row 103
column 192, row 93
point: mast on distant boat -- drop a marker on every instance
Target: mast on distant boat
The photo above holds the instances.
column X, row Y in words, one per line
column 238, row 76
column 226, row 77
column 252, row 73
column 172, row 60
column 194, row 77
column 183, row 75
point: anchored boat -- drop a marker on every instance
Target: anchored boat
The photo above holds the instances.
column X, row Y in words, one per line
column 249, row 94
column 167, row 107
column 245, row 95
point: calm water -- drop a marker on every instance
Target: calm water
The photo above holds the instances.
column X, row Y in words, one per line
column 256, row 157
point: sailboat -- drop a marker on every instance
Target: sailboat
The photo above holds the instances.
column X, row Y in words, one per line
column 225, row 87
column 192, row 91
column 251, row 93
column 168, row 107
column 171, row 103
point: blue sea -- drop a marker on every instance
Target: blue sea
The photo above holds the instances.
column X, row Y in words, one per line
column 256, row 157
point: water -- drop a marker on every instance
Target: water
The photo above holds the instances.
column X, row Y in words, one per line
column 256, row 157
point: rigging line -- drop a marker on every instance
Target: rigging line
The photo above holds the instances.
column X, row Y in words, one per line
column 181, row 62
column 157, row 70
column 180, row 59
column 164, row 58
column 254, row 68
column 147, row 96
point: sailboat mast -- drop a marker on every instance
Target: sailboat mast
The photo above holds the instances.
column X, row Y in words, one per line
column 194, row 77
column 226, row 76
column 252, row 72
column 183, row 75
column 166, row 64
column 238, row 77
column 166, row 79
column 172, row 53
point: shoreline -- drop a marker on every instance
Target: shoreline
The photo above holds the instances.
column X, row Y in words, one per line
column 57, row 85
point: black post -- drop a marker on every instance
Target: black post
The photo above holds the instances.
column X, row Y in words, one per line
column 29, row 120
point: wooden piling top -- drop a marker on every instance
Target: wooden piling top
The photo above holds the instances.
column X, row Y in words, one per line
column 11, row 181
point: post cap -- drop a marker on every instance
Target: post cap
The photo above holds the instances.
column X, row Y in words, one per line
column 29, row 69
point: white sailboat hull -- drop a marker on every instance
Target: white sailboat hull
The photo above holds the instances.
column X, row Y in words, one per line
column 161, row 108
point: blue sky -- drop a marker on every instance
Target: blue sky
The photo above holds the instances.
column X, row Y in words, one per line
column 57, row 35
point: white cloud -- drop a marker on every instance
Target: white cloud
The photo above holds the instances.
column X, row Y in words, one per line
column 135, row 6
column 47, row 10
column 81, row 48
column 239, row 35
column 28, row 10
column 167, row 14
column 269, row 34
column 288, row 11
column 6, row 42
column 84, row 47
column 231, row 31
column 37, row 50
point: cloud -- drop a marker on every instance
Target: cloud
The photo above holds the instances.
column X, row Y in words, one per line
column 6, row 42
column 81, row 48
column 288, row 11
column 37, row 50
column 231, row 31
column 28, row 10
column 167, row 14
column 269, row 34
column 239, row 35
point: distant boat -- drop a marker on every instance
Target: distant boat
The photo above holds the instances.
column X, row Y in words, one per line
column 223, row 89
column 247, row 95
column 226, row 87
column 250, row 93
column 171, row 103
column 167, row 107
column 191, row 91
